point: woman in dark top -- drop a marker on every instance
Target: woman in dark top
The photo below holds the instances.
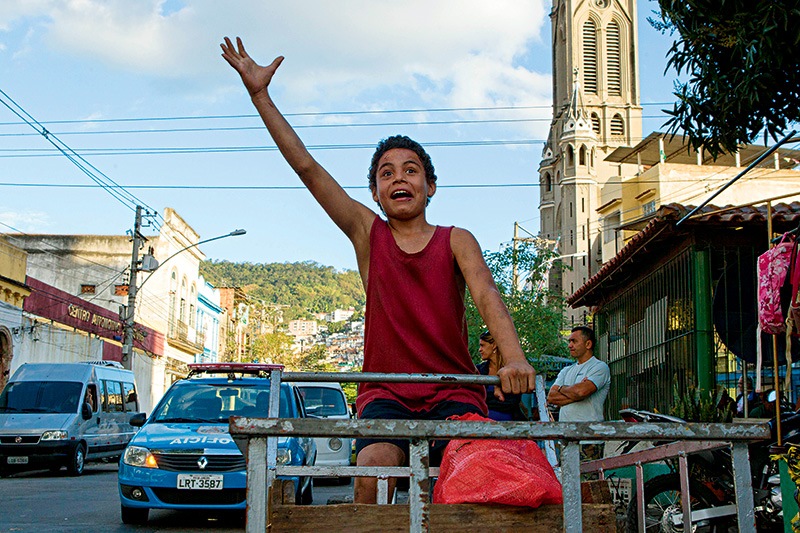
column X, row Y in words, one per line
column 509, row 408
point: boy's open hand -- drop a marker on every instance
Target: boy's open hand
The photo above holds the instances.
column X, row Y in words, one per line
column 517, row 377
column 255, row 77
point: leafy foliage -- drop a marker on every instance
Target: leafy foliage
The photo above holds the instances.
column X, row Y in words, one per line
column 742, row 63
column 537, row 313
column 697, row 405
column 306, row 287
column 275, row 348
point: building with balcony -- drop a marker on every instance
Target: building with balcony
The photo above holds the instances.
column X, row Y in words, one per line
column 91, row 273
column 210, row 316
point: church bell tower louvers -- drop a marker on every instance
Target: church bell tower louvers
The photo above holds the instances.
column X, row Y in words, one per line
column 595, row 110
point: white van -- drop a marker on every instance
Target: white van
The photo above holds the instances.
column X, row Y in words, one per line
column 327, row 400
column 55, row 415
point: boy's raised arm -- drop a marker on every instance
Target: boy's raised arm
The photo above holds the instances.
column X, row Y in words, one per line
column 352, row 217
column 517, row 376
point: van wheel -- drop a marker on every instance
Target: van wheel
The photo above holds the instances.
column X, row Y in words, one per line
column 134, row 515
column 77, row 461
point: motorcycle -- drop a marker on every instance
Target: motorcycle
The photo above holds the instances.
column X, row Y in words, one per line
column 711, row 483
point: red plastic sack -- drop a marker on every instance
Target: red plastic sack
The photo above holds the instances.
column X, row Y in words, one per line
column 509, row 472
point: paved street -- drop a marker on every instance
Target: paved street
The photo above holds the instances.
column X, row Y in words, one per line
column 42, row 501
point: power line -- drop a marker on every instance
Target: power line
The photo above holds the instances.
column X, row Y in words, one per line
column 125, row 198
column 309, row 114
column 12, row 153
column 693, row 181
column 307, row 126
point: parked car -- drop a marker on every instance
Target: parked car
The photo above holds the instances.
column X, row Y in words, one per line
column 184, row 457
column 327, row 400
column 64, row 414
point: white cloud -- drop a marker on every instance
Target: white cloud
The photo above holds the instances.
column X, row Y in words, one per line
column 23, row 221
column 462, row 48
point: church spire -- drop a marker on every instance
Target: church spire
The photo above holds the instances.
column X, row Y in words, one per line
column 576, row 120
column 576, row 109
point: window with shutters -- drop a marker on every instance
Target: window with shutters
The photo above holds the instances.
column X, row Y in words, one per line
column 613, row 66
column 595, row 123
column 590, row 57
column 617, row 126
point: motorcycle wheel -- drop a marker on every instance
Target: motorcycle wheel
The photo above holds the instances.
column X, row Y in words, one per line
column 662, row 501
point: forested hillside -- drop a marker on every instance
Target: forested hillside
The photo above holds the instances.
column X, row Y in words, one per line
column 307, row 286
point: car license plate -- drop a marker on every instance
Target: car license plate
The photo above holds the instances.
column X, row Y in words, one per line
column 200, row 481
column 21, row 460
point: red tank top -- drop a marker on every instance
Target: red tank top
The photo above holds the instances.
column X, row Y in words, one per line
column 415, row 322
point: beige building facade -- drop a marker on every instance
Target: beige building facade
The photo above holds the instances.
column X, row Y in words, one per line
column 595, row 110
column 91, row 273
column 13, row 291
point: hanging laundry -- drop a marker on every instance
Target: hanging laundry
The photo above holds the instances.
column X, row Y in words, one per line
column 773, row 267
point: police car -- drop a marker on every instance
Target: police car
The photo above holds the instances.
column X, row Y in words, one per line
column 183, row 456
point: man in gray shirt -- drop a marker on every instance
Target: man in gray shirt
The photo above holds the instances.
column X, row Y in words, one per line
column 580, row 390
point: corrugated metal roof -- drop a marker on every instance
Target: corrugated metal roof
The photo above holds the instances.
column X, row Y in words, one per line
column 662, row 225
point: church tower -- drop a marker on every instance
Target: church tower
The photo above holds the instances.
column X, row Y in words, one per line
column 595, row 110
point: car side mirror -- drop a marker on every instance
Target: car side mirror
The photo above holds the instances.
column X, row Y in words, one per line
column 138, row 420
column 86, row 411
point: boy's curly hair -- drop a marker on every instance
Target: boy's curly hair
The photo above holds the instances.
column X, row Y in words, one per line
column 400, row 141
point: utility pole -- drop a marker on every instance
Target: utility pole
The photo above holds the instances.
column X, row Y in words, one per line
column 514, row 258
column 515, row 240
column 147, row 264
column 129, row 310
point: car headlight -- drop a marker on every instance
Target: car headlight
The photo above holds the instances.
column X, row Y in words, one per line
column 54, row 435
column 284, row 456
column 335, row 444
column 138, row 456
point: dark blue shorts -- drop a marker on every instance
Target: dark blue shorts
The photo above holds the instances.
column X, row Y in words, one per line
column 392, row 410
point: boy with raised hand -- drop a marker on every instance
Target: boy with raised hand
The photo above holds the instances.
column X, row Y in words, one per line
column 414, row 274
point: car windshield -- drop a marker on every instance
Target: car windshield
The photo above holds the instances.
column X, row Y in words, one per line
column 323, row 401
column 41, row 397
column 198, row 401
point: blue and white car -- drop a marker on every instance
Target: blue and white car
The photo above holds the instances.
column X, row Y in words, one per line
column 183, row 457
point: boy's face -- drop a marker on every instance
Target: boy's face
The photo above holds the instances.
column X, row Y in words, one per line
column 401, row 187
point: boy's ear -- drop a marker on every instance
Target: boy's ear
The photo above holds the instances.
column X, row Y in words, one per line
column 431, row 188
column 374, row 191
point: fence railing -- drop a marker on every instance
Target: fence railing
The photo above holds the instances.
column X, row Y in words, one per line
column 257, row 437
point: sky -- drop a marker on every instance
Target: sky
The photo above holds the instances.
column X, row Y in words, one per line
column 137, row 96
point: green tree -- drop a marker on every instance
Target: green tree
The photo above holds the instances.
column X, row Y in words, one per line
column 315, row 359
column 275, row 348
column 230, row 353
column 536, row 312
column 741, row 60
column 337, row 327
column 305, row 287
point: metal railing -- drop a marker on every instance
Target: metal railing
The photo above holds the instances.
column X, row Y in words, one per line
column 744, row 508
column 260, row 445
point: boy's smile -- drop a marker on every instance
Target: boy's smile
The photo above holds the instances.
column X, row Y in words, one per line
column 402, row 188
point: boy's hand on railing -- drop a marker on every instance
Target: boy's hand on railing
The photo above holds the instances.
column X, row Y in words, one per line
column 516, row 377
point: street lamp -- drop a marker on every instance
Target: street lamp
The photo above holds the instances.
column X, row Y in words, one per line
column 128, row 319
column 152, row 271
